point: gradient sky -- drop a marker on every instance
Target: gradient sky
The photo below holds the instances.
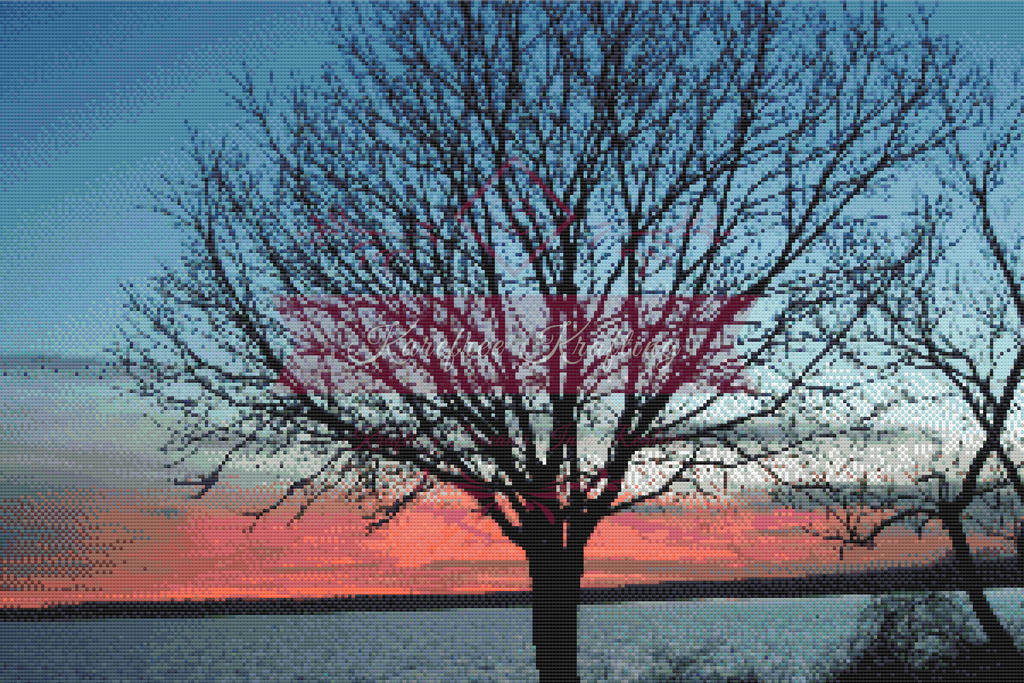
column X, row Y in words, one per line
column 95, row 97
column 93, row 103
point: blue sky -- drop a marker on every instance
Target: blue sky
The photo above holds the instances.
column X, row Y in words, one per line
column 94, row 99
column 93, row 103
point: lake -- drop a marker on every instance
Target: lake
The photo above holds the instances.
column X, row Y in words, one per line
column 782, row 639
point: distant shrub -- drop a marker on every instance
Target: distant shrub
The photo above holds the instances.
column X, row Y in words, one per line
column 921, row 637
column 919, row 629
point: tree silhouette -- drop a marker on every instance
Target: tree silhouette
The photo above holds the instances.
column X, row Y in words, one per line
column 957, row 315
column 469, row 159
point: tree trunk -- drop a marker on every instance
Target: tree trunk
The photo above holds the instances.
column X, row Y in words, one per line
column 556, row 572
column 1019, row 541
column 997, row 635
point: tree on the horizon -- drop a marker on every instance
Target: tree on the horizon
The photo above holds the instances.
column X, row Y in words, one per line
column 686, row 162
column 956, row 319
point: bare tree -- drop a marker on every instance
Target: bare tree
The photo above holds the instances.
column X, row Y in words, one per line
column 482, row 150
column 958, row 317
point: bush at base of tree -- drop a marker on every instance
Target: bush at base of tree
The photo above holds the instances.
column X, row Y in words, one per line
column 923, row 637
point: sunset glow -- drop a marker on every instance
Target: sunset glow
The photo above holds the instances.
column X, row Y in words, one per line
column 131, row 546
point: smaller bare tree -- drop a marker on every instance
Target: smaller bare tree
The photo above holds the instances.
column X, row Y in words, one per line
column 966, row 330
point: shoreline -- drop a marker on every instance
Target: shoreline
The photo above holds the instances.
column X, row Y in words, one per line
column 942, row 576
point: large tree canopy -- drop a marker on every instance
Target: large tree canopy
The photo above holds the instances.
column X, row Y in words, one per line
column 464, row 155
